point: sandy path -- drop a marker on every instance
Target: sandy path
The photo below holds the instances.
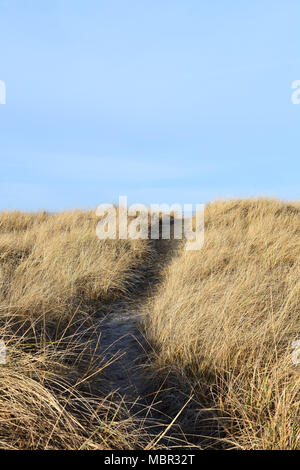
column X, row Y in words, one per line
column 128, row 376
column 123, row 343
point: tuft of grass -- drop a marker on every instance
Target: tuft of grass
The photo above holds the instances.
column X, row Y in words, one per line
column 46, row 402
column 225, row 318
column 54, row 275
column 52, row 265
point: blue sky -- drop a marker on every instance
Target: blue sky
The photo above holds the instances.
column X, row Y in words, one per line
column 165, row 101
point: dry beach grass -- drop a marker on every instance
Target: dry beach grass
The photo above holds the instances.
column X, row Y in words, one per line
column 55, row 274
column 226, row 317
column 220, row 322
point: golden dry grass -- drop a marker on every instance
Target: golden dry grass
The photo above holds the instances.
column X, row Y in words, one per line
column 225, row 317
column 51, row 265
column 43, row 404
column 55, row 273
